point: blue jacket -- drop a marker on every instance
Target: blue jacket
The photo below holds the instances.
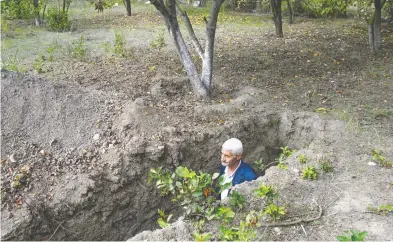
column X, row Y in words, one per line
column 242, row 174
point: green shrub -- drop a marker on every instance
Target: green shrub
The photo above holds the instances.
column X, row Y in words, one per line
column 322, row 8
column 79, row 48
column 17, row 9
column 13, row 63
column 58, row 20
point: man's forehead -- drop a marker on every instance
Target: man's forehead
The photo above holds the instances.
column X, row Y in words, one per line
column 227, row 152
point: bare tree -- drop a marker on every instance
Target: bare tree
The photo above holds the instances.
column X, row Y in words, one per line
column 201, row 84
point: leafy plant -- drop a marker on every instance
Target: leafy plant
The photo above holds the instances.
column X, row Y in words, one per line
column 225, row 214
column 352, row 235
column 303, row 158
column 51, row 50
column 258, row 165
column 194, row 192
column 309, row 173
column 274, row 211
column 39, row 63
column 236, row 200
column 245, row 232
column 164, row 219
column 120, row 41
column 269, row 192
column 159, row 42
column 79, row 47
column 286, row 152
column 380, row 159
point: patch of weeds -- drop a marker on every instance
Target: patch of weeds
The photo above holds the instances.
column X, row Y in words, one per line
column 107, row 47
column 258, row 165
column 274, row 211
column 13, row 63
column 152, row 68
column 382, row 113
column 286, row 152
column 352, row 235
column 382, row 210
column 202, row 237
column 236, row 200
column 164, row 219
column 309, row 173
column 120, row 42
column 380, row 159
column 51, row 51
column 303, row 158
column 39, row 63
column 20, row 178
column 159, row 42
column 79, row 48
column 245, row 232
column 325, row 165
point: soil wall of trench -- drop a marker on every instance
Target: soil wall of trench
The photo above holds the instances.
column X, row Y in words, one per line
column 88, row 156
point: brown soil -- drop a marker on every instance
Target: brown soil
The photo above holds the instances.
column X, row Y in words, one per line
column 90, row 129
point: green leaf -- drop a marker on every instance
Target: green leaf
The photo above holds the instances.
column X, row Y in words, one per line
column 162, row 223
column 182, row 172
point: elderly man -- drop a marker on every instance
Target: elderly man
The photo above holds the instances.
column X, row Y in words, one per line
column 233, row 168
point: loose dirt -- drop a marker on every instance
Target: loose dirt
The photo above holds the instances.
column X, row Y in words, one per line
column 79, row 139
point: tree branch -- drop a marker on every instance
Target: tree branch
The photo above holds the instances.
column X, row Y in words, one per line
column 297, row 221
column 191, row 32
column 160, row 6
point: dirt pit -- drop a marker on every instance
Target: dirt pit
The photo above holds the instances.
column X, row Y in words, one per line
column 75, row 161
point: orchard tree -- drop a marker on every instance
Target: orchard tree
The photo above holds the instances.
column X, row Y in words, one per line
column 371, row 11
column 201, row 83
column 127, row 4
column 277, row 19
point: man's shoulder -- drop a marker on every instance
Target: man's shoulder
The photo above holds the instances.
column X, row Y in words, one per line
column 246, row 167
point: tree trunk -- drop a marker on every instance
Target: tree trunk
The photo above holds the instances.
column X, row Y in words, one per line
column 290, row 12
column 37, row 13
column 64, row 5
column 377, row 24
column 276, row 9
column 374, row 26
column 128, row 7
column 207, row 62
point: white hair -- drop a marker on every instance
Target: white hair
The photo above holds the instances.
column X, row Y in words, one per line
column 234, row 145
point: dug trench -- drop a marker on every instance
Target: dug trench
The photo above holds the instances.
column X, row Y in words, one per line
column 75, row 161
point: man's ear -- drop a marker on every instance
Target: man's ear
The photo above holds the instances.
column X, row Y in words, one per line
column 238, row 157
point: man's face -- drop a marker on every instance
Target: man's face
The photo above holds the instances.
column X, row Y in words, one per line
column 228, row 159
